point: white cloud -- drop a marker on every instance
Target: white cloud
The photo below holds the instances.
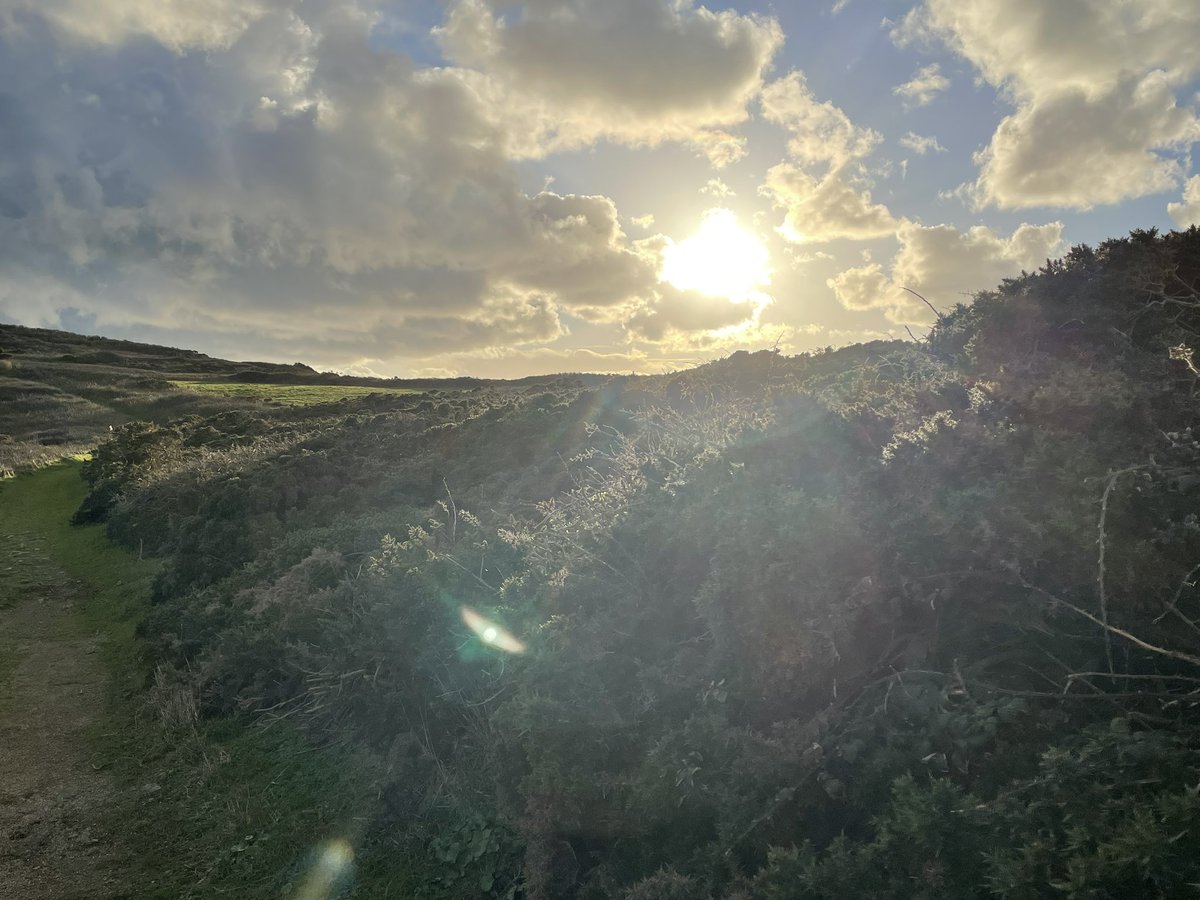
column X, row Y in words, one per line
column 677, row 316
column 824, row 209
column 816, row 185
column 1093, row 83
column 926, row 83
column 1033, row 48
column 719, row 147
column 717, row 188
column 920, row 144
column 821, row 133
column 862, row 287
column 563, row 75
column 801, row 257
column 1187, row 212
column 1075, row 151
column 943, row 264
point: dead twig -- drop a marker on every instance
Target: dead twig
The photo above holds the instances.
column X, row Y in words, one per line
column 1075, row 676
column 937, row 312
column 1173, row 606
column 1189, row 658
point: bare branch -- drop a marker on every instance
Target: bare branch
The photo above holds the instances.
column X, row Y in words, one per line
column 937, row 312
column 1173, row 606
column 1112, row 629
column 1132, row 677
column 453, row 515
column 1122, row 695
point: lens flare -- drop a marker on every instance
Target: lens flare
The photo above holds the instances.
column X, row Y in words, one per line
column 491, row 633
column 329, row 872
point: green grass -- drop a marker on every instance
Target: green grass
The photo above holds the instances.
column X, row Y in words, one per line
column 288, row 394
column 216, row 807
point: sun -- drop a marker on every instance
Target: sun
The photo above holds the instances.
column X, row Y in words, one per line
column 721, row 259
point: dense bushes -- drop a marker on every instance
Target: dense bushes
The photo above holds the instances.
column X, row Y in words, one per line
column 1108, row 813
column 899, row 620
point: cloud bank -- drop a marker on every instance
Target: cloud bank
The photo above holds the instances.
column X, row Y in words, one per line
column 413, row 187
column 944, row 265
column 266, row 168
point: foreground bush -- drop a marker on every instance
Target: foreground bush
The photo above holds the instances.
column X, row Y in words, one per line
column 898, row 620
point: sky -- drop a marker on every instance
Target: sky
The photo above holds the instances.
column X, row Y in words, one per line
column 502, row 188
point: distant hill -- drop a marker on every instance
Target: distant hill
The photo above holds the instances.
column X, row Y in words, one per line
column 61, row 392
column 48, row 345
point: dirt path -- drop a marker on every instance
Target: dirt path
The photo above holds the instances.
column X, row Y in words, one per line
column 51, row 691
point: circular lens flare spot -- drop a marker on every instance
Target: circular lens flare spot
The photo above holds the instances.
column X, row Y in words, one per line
column 721, row 259
column 491, row 633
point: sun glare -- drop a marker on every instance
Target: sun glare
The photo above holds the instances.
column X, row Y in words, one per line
column 491, row 633
column 721, row 259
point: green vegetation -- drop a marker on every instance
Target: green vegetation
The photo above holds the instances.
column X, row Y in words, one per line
column 62, row 393
column 288, row 394
column 215, row 807
column 907, row 619
column 40, row 510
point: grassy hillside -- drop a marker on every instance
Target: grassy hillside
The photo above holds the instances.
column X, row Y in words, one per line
column 288, row 394
column 899, row 620
column 62, row 393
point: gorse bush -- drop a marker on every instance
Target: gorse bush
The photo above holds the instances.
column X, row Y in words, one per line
column 1107, row 813
column 897, row 620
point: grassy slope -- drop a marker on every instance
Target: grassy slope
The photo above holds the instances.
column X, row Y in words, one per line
column 218, row 809
column 288, row 394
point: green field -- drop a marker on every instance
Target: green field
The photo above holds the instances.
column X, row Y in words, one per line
column 289, row 394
